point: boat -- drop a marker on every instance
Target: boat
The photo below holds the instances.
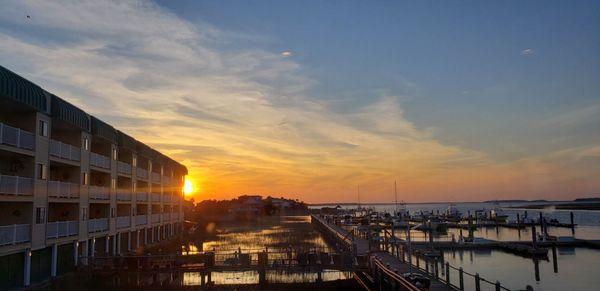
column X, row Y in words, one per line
column 453, row 214
column 498, row 215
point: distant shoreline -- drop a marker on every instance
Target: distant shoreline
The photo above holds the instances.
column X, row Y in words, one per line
column 563, row 206
column 579, row 202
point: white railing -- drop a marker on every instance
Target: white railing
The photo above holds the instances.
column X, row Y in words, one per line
column 123, row 195
column 123, row 168
column 64, row 151
column 14, row 234
column 123, row 221
column 16, row 137
column 63, row 189
column 100, row 193
column 141, row 196
column 166, row 216
column 155, row 218
column 155, row 177
column 155, row 197
column 141, row 219
column 141, row 173
column 167, row 198
column 98, row 224
column 99, row 160
column 166, row 180
column 15, row 185
column 58, row 229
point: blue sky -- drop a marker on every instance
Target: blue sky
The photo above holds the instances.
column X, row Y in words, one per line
column 457, row 100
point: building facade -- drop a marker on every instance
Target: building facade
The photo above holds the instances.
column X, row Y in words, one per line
column 74, row 187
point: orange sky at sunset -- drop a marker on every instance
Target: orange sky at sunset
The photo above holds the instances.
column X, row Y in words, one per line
column 249, row 113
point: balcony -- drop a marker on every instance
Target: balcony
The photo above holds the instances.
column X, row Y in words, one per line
column 123, row 168
column 175, row 216
column 166, row 217
column 155, row 218
column 99, row 161
column 123, row 221
column 166, row 180
column 15, row 234
column 167, row 198
column 15, row 185
column 16, row 137
column 58, row 229
column 141, row 173
column 141, row 219
column 99, row 193
column 98, row 224
column 123, row 195
column 141, row 196
column 155, row 177
column 60, row 189
column 64, row 151
column 155, row 197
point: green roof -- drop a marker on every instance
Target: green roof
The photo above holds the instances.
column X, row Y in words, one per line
column 17, row 88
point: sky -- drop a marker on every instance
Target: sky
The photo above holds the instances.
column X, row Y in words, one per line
column 454, row 100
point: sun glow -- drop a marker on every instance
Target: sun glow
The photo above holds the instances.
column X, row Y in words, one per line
column 187, row 187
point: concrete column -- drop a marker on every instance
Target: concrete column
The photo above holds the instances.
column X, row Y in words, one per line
column 158, row 233
column 129, row 241
column 54, row 260
column 145, row 236
column 118, row 238
column 137, row 240
column 107, row 244
column 75, row 252
column 114, row 245
column 27, row 268
column 152, row 232
column 92, row 247
column 85, row 252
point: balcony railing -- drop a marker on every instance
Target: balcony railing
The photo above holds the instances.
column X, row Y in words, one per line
column 58, row 229
column 166, row 180
column 167, row 198
column 166, row 216
column 98, row 192
column 99, row 161
column 141, row 196
column 98, row 224
column 175, row 216
column 123, row 221
column 60, row 189
column 155, row 177
column 141, row 219
column 64, row 151
column 141, row 173
column 15, row 234
column 15, row 185
column 155, row 197
column 155, row 218
column 123, row 168
column 16, row 137
column 123, row 195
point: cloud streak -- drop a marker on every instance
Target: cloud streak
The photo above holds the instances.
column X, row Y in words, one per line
column 241, row 119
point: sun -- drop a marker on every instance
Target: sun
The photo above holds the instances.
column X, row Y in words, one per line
column 187, row 187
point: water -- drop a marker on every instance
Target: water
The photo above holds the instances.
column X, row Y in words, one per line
column 577, row 267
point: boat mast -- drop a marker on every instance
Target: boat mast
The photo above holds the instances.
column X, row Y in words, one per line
column 396, row 196
column 358, row 193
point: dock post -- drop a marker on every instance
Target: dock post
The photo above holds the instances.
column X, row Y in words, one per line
column 417, row 257
column 447, row 273
column 554, row 261
column 426, row 265
column 533, row 236
column 572, row 222
column 536, row 266
column 461, row 282
column 477, row 282
column 518, row 220
column 498, row 288
column 541, row 225
column 436, row 268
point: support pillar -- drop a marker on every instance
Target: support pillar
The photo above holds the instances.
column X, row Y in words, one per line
column 54, row 260
column 27, row 268
column 75, row 252
column 93, row 248
column 137, row 238
column 118, row 238
column 107, row 244
column 145, row 236
column 114, row 245
column 85, row 252
column 129, row 241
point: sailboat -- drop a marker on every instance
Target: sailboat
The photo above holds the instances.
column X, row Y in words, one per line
column 400, row 217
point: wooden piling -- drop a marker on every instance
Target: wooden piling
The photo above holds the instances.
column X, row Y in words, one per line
column 554, row 259
column 448, row 273
column 461, row 282
column 477, row 282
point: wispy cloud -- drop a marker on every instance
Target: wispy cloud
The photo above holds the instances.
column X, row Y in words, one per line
column 286, row 53
column 527, row 51
column 241, row 119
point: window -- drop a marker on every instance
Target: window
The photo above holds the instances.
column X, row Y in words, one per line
column 40, row 215
column 86, row 144
column 41, row 171
column 84, row 178
column 43, row 128
column 114, row 154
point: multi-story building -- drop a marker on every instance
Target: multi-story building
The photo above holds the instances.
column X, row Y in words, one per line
column 73, row 187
